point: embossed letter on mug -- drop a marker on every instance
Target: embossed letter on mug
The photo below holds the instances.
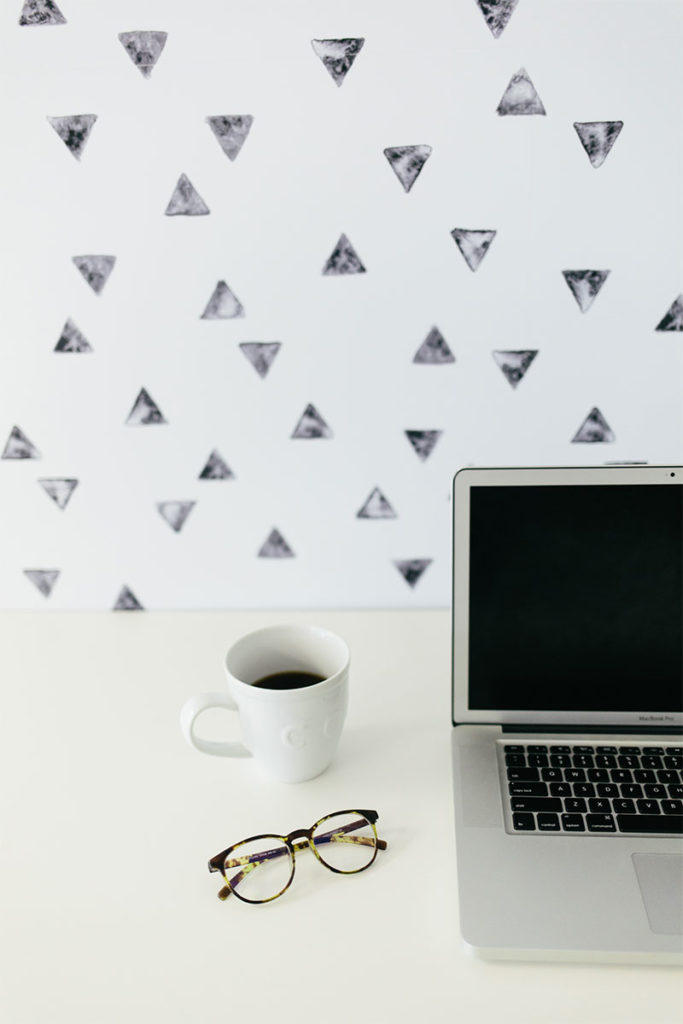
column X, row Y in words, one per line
column 290, row 686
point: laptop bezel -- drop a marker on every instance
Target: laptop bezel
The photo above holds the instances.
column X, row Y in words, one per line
column 536, row 476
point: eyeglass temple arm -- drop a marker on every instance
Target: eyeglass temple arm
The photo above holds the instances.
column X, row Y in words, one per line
column 337, row 836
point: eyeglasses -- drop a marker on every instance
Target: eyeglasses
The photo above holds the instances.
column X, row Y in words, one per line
column 345, row 842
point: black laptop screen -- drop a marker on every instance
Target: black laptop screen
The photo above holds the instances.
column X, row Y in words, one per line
column 576, row 598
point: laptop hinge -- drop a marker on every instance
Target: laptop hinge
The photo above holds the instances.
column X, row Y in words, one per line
column 649, row 730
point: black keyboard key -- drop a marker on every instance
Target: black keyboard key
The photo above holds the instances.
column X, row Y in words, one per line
column 560, row 760
column 515, row 759
column 582, row 750
column 600, row 823
column 668, row 777
column 650, row 823
column 552, row 774
column 523, row 775
column 653, row 751
column 598, row 775
column 673, row 762
column 629, row 750
column 537, row 760
column 557, row 748
column 575, row 775
column 628, row 762
column 623, row 807
column 655, row 792
column 648, row 761
column 523, row 822
column 647, row 807
column 583, row 789
column 597, row 806
column 535, row 803
column 621, row 775
column 573, row 823
column 575, row 806
column 605, row 750
column 535, row 748
column 672, row 806
column 644, row 775
column 607, row 789
column 631, row 790
column 513, row 748
column 675, row 792
column 606, row 761
column 582, row 761
column 560, row 789
column 676, row 751
column 548, row 822
column 528, row 789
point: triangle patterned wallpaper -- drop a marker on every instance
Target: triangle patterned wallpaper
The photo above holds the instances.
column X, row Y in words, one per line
column 245, row 352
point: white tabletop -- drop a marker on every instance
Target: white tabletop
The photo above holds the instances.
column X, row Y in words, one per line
column 107, row 911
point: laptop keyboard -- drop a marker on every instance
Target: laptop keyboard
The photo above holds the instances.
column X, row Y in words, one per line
column 616, row 789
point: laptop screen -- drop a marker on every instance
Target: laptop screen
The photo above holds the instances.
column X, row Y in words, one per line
column 576, row 598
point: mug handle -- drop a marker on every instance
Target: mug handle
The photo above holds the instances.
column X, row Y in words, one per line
column 191, row 711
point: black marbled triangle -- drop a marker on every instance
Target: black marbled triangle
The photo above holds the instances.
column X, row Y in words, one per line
column 406, row 162
column 497, row 14
column 231, row 130
column 41, row 12
column 223, row 304
column 514, row 364
column 59, row 489
column 144, row 48
column 311, row 424
column 18, row 446
column 585, row 285
column 673, row 318
column 127, row 601
column 71, row 339
column 74, row 131
column 376, row 506
column 343, row 259
column 423, row 441
column 186, row 201
column 411, row 569
column 275, row 546
column 43, row 579
column 175, row 512
column 473, row 244
column 594, row 429
column 520, row 97
column 216, row 468
column 597, row 138
column 260, row 354
column 434, row 349
column 337, row 55
column 95, row 270
column 145, row 411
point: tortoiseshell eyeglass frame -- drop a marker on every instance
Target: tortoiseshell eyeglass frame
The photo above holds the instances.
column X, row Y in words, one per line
column 299, row 839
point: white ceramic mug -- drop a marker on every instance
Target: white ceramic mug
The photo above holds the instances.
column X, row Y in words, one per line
column 292, row 733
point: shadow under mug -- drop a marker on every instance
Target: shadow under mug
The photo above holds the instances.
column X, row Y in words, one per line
column 294, row 733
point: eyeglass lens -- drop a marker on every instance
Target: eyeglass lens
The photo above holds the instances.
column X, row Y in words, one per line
column 345, row 842
column 260, row 869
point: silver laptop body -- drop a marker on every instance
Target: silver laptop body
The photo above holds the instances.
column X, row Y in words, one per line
column 568, row 635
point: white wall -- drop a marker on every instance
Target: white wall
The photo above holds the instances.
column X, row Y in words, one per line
column 312, row 168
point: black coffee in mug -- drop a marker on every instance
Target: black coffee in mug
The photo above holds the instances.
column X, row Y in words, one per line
column 292, row 680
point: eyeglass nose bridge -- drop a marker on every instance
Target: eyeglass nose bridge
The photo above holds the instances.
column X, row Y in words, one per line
column 300, row 838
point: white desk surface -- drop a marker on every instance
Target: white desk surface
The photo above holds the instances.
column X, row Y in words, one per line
column 107, row 911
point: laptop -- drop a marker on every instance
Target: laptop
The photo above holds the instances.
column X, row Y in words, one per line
column 567, row 712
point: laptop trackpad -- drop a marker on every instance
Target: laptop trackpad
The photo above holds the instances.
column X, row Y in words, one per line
column 660, row 877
